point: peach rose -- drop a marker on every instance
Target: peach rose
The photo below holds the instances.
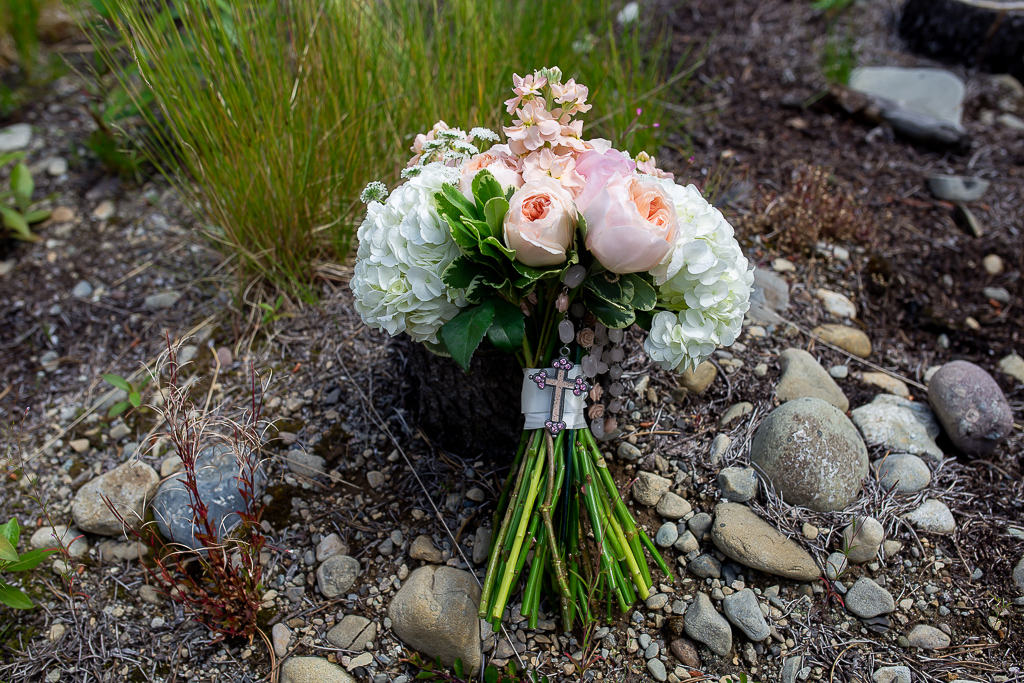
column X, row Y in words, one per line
column 631, row 225
column 502, row 165
column 540, row 223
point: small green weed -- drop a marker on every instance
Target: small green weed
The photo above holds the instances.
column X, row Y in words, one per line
column 11, row 561
column 134, row 392
column 839, row 58
column 16, row 201
column 272, row 312
column 435, row 670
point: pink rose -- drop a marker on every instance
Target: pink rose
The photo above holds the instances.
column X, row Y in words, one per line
column 630, row 225
column 598, row 169
column 502, row 165
column 540, row 223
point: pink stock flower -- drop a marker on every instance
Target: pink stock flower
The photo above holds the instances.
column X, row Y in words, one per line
column 533, row 128
column 421, row 139
column 545, row 163
column 499, row 161
column 540, row 223
column 648, row 165
column 631, row 225
column 598, row 169
column 525, row 87
column 572, row 94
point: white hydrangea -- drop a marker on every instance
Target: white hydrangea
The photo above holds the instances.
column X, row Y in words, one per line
column 404, row 246
column 704, row 284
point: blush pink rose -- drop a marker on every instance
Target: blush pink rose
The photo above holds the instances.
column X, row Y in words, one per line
column 598, row 169
column 630, row 225
column 502, row 165
column 540, row 223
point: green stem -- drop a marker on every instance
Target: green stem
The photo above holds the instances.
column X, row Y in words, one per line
column 506, row 490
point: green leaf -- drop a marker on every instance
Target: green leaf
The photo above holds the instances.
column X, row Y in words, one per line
column 490, row 246
column 509, row 325
column 609, row 314
column 117, row 381
column 459, row 671
column 14, row 598
column 490, row 674
column 644, row 319
column 118, row 408
column 16, row 222
column 11, row 531
column 495, row 211
column 135, row 399
column 611, row 288
column 21, row 183
column 460, row 273
column 459, row 201
column 644, row 295
column 29, row 560
column 485, row 188
column 7, row 551
column 463, row 333
column 37, row 216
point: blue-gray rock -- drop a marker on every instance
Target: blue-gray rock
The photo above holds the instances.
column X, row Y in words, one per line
column 891, row 674
column 812, row 454
column 217, row 483
column 700, row 524
column 769, row 298
column 667, row 535
column 158, row 302
column 672, row 506
column 935, row 93
column 933, row 516
column 706, row 567
column 899, row 426
column 971, row 407
column 742, row 610
column 628, row 452
column 738, row 484
column 336, row 575
column 82, row 290
column 790, row 667
column 704, row 624
column 836, row 565
column 657, row 669
column 13, row 138
column 1018, row 575
column 686, row 543
column 867, row 599
column 903, row 473
column 955, row 188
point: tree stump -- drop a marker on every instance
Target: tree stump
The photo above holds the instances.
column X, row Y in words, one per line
column 987, row 34
column 467, row 414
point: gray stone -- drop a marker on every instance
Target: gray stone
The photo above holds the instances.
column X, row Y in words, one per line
column 955, row 188
column 336, row 575
column 16, row 137
column 60, row 535
column 999, row 294
column 719, row 447
column 935, row 93
column 1013, row 365
column 927, row 638
column 848, row 338
column 656, row 602
column 863, row 540
column 649, row 488
column 217, row 481
column 329, row 546
column 886, row 383
column 353, row 633
column 422, row 548
column 704, row 624
column 700, row 524
column 867, row 599
column 903, row 473
column 305, row 464
column 933, row 516
column 837, row 304
column 751, row 541
column 657, row 670
column 280, row 634
column 891, row 674
column 313, row 670
column 839, row 372
column 128, row 487
column 705, row 566
column 1018, row 575
column 971, row 407
column 769, row 297
column 812, row 454
column 1011, row 121
column 150, row 595
column 435, row 612
column 743, row 610
column 57, row 167
column 790, row 668
column 836, row 565
column 666, row 535
column 160, row 301
column 735, row 412
column 50, row 361
column 686, row 543
column 82, row 290
column 481, row 545
column 628, row 452
column 738, row 484
column 802, row 377
column 899, row 426
column 672, row 506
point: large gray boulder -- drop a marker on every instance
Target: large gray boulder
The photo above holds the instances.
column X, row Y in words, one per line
column 754, row 543
column 971, row 407
column 812, row 454
column 435, row 612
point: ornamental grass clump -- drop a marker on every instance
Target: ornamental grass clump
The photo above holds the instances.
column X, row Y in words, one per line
column 271, row 117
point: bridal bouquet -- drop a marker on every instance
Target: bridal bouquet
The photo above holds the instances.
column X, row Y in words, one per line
column 548, row 246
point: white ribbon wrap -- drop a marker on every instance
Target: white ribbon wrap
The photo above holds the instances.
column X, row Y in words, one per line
column 536, row 402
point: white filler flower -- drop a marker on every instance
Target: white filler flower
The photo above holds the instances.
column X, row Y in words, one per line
column 404, row 246
column 704, row 285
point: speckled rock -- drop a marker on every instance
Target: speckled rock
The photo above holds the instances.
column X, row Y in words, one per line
column 891, row 674
column 129, row 487
column 867, row 599
column 353, row 633
column 754, row 543
column 971, row 407
column 704, row 624
column 743, row 611
column 802, row 376
column 903, row 473
column 848, row 338
column 863, row 540
column 837, row 304
column 928, row 638
column 313, row 670
column 336, row 575
column 933, row 516
column 672, row 506
column 812, row 454
column 738, row 484
column 422, row 548
column 899, row 426
column 649, row 488
column 435, row 612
